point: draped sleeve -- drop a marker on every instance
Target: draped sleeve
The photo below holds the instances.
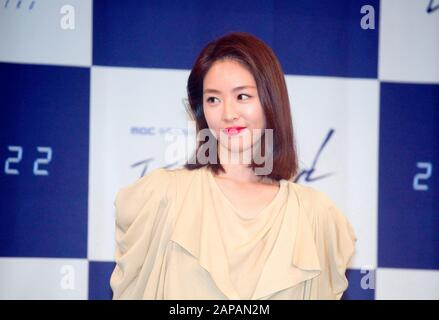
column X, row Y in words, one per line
column 335, row 240
column 341, row 240
column 142, row 223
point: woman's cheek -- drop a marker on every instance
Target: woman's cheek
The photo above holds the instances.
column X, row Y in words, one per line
column 251, row 110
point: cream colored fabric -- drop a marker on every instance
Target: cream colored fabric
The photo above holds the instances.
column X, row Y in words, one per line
column 179, row 237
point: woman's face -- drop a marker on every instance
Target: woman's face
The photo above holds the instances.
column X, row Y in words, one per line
column 230, row 99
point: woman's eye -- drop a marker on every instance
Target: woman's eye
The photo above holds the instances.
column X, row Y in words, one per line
column 211, row 99
column 246, row 96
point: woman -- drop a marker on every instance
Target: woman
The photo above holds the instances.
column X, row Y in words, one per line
column 218, row 229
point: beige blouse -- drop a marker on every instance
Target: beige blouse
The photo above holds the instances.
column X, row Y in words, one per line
column 179, row 237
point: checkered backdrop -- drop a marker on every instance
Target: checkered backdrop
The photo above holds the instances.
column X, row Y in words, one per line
column 92, row 94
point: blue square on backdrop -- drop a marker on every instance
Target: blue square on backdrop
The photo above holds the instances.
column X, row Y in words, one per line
column 44, row 141
column 326, row 38
column 408, row 200
column 170, row 34
column 361, row 285
column 99, row 280
column 309, row 37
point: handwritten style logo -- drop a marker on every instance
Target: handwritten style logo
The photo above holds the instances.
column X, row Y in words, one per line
column 9, row 3
column 431, row 8
column 308, row 174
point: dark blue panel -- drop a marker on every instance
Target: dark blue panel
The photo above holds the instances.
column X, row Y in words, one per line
column 170, row 34
column 44, row 106
column 310, row 38
column 361, row 285
column 99, row 280
column 325, row 38
column 408, row 218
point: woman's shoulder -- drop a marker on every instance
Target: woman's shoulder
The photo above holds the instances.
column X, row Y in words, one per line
column 321, row 210
column 150, row 194
column 153, row 181
column 312, row 198
column 157, row 179
column 148, row 191
column 158, row 184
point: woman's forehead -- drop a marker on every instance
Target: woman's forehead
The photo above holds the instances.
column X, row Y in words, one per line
column 228, row 75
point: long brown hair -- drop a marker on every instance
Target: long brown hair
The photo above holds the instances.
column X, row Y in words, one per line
column 259, row 59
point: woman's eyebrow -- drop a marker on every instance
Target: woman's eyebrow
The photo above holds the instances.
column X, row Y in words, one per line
column 233, row 90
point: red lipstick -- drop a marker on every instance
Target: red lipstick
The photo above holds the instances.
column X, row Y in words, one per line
column 231, row 131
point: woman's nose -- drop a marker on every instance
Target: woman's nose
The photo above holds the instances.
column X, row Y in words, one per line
column 229, row 112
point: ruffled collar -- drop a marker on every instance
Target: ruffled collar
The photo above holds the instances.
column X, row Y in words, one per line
column 293, row 259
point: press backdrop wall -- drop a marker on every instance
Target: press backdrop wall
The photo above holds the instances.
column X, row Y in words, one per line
column 92, row 95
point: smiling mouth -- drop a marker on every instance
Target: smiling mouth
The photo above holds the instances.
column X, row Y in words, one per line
column 231, row 131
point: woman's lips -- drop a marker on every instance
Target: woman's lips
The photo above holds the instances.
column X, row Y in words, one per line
column 232, row 131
